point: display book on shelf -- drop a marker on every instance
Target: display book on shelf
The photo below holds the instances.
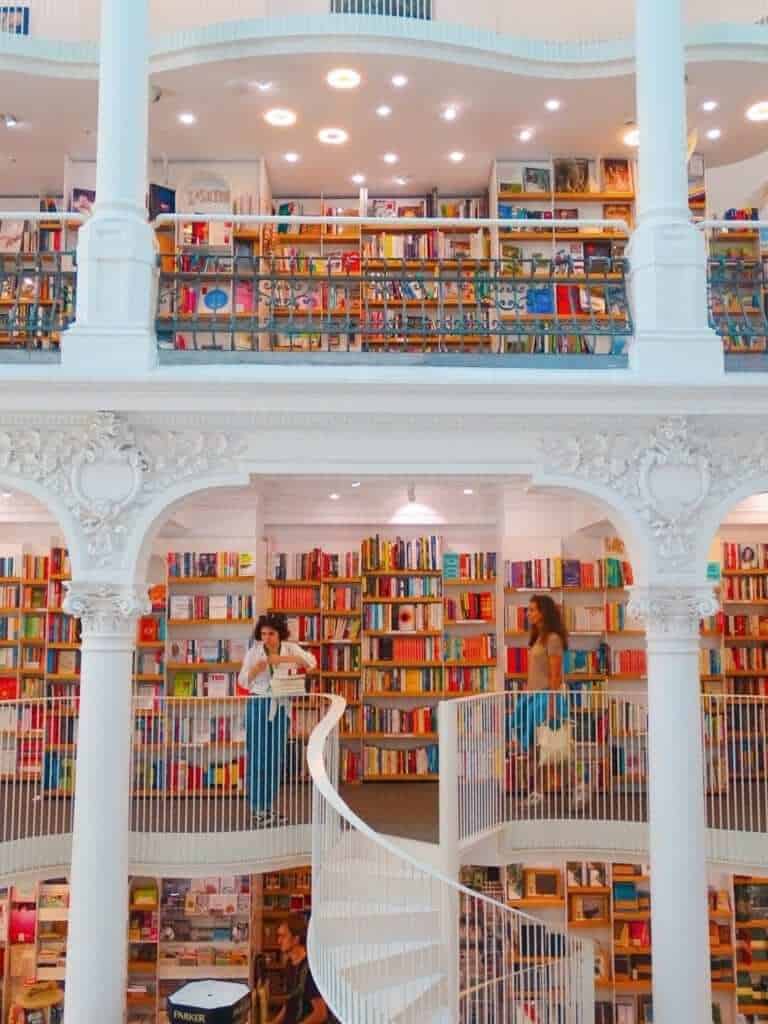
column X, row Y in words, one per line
column 737, row 259
column 33, row 944
column 190, row 647
column 183, row 929
column 39, row 658
column 605, row 646
column 555, row 269
column 609, row 904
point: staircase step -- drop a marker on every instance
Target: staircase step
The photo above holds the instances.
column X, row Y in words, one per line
column 399, row 969
column 377, row 928
column 431, row 1007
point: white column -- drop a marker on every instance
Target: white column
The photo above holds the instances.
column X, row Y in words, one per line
column 677, row 824
column 666, row 254
column 116, row 287
column 98, row 915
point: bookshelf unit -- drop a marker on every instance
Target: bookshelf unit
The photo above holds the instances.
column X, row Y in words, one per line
column 610, row 905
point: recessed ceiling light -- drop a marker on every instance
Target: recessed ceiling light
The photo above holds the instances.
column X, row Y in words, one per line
column 526, row 135
column 631, row 137
column 758, row 111
column 714, row 133
column 333, row 136
column 358, row 179
column 390, row 158
column 356, row 483
column 553, row 104
column 450, row 113
column 6, row 495
column 399, row 81
column 264, row 86
column 468, row 490
column 187, row 118
column 457, row 156
column 279, row 117
column 292, row 158
column 343, row 78
column 334, row 496
column 383, row 110
column 11, row 120
column 709, row 105
column 401, row 181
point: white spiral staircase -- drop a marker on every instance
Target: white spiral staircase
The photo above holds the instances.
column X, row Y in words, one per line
column 393, row 941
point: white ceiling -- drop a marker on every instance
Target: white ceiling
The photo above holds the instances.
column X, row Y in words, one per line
column 494, row 106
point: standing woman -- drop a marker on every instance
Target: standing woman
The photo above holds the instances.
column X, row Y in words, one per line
column 543, row 702
column 270, row 656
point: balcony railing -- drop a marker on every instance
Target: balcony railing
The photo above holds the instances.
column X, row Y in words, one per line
column 737, row 278
column 38, row 280
column 440, row 297
column 419, row 9
column 603, row 779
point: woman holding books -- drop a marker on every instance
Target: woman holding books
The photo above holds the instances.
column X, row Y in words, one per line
column 270, row 670
column 543, row 703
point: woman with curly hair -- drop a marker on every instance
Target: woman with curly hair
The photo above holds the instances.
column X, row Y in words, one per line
column 271, row 656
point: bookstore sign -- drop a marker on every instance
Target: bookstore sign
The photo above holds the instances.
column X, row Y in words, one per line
column 210, row 1002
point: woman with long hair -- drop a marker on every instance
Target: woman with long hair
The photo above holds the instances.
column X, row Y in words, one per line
column 271, row 656
column 543, row 702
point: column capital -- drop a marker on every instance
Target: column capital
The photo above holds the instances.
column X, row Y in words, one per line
column 672, row 610
column 106, row 608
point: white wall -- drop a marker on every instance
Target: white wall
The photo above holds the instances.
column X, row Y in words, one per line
column 738, row 185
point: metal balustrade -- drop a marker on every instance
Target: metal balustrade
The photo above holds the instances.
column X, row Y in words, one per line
column 395, row 940
column 433, row 300
column 737, row 284
column 419, row 9
column 37, row 282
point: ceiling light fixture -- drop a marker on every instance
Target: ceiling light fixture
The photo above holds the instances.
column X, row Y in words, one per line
column 399, row 81
column 6, row 495
column 383, row 110
column 187, row 118
column 280, row 117
column 709, row 105
column 292, row 158
column 264, row 86
column 333, row 136
column 714, row 133
column 450, row 113
column 401, row 181
column 456, row 156
column 468, row 490
column 631, row 137
column 553, row 105
column 343, row 78
column 758, row 111
column 390, row 158
column 356, row 483
column 334, row 496
column 526, row 135
column 358, row 179
column 11, row 120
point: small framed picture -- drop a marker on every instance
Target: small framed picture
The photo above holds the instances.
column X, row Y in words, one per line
column 617, row 175
column 82, row 200
column 537, row 179
column 618, row 211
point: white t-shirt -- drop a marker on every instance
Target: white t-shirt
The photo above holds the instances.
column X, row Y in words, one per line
column 260, row 683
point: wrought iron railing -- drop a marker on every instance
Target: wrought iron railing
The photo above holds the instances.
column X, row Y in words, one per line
column 38, row 279
column 350, row 297
column 737, row 280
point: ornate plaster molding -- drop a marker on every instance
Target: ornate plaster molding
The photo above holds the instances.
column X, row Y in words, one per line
column 102, row 469
column 671, row 475
column 671, row 611
column 105, row 608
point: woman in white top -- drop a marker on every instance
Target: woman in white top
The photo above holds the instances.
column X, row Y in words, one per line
column 270, row 656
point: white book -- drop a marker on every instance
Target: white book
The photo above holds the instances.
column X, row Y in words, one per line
column 217, row 607
column 181, row 607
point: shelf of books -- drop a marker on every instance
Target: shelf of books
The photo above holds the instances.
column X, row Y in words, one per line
column 610, row 904
column 584, row 264
column 737, row 257
column 605, row 647
column 39, row 658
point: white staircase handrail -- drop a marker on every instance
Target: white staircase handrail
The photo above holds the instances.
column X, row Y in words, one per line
column 395, row 939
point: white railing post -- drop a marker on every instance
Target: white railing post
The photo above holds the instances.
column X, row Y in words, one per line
column 448, row 786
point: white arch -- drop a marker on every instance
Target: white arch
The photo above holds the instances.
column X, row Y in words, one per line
column 713, row 519
column 70, row 528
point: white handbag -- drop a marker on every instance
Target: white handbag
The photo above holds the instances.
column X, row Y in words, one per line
column 554, row 744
